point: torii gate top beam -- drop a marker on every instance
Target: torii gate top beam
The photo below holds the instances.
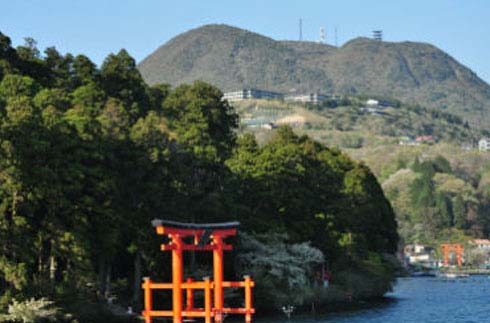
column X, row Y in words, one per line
column 195, row 226
column 201, row 233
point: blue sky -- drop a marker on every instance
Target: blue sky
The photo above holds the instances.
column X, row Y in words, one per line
column 97, row 28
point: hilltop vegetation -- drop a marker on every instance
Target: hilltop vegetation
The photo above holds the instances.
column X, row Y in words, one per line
column 232, row 58
column 90, row 155
column 346, row 123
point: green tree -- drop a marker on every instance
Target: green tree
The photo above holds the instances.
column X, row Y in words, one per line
column 158, row 94
column 121, row 79
column 29, row 62
column 422, row 191
column 89, row 98
column 84, row 71
column 203, row 125
column 443, row 206
column 14, row 85
column 442, row 165
column 60, row 68
column 202, row 120
column 459, row 211
column 54, row 97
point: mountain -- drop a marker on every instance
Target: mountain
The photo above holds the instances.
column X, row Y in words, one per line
column 233, row 58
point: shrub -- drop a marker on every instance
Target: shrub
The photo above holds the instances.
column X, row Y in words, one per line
column 31, row 311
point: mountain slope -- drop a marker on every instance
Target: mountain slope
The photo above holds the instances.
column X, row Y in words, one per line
column 233, row 58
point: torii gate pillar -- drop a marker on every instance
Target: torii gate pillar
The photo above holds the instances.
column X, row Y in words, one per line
column 218, row 276
column 177, row 277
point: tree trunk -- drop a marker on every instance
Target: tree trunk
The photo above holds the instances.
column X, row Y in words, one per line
column 108, row 274
column 136, row 301
column 52, row 268
column 102, row 281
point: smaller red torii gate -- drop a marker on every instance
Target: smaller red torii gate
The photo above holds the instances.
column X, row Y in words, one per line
column 201, row 233
column 453, row 247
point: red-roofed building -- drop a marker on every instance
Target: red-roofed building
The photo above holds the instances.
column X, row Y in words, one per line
column 481, row 243
column 425, row 139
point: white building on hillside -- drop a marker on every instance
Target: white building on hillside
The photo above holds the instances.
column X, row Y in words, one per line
column 416, row 253
column 483, row 244
column 306, row 98
column 250, row 94
column 484, row 144
column 372, row 102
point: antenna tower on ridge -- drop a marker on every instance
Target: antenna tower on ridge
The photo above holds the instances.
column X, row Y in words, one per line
column 322, row 35
column 378, row 35
column 300, row 29
column 336, row 38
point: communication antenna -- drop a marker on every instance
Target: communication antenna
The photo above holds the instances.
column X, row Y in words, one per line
column 336, row 38
column 322, row 35
column 300, row 29
column 378, row 35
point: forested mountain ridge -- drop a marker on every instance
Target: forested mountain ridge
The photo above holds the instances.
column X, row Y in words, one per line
column 89, row 156
column 232, row 58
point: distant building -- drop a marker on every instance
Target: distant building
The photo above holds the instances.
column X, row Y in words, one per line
column 484, row 144
column 417, row 253
column 376, row 107
column 467, row 147
column 423, row 257
column 379, row 103
column 268, row 126
column 246, row 94
column 407, row 141
column 483, row 244
column 425, row 139
column 412, row 249
column 306, row 98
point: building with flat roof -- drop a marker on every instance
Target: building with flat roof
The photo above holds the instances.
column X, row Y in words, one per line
column 481, row 243
column 306, row 98
column 416, row 253
column 247, row 94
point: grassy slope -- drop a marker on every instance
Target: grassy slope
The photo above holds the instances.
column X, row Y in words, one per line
column 350, row 127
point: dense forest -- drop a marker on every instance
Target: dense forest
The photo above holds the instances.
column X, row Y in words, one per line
column 439, row 193
column 89, row 156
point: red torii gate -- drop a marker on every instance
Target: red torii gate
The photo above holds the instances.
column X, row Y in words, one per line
column 201, row 233
column 453, row 247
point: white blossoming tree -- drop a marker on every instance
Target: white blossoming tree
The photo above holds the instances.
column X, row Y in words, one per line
column 284, row 272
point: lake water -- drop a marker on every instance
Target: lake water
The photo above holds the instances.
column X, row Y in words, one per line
column 421, row 300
